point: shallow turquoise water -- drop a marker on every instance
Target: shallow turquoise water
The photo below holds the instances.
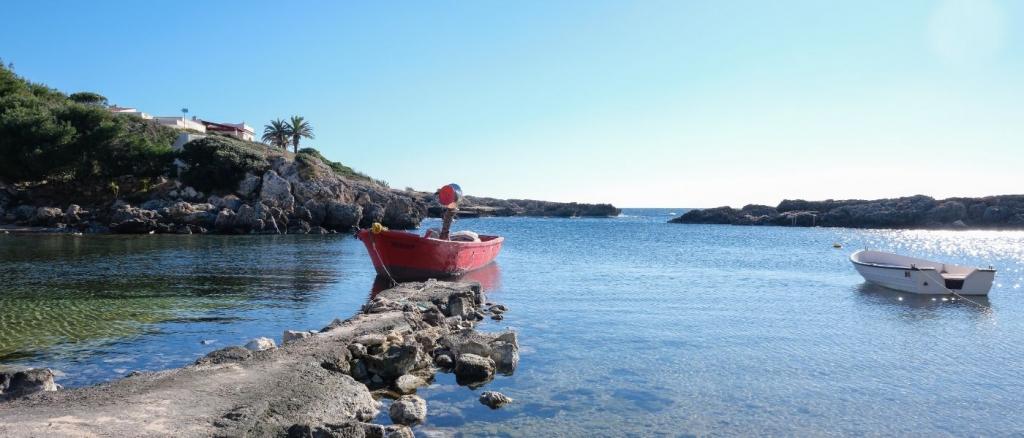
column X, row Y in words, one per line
column 629, row 326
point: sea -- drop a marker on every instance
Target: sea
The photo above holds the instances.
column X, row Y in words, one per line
column 628, row 326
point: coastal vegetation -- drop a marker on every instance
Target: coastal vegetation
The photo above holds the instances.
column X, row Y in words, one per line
column 46, row 135
column 297, row 129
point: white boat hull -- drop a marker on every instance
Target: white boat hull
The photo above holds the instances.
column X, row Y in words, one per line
column 920, row 276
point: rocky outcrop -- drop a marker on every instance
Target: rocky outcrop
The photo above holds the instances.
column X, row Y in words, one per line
column 314, row 385
column 472, row 206
column 1001, row 212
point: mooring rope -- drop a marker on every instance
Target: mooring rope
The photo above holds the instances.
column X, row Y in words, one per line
column 373, row 243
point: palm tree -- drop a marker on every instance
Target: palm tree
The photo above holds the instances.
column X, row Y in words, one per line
column 276, row 133
column 298, row 128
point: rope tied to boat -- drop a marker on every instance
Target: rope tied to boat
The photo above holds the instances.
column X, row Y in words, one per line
column 376, row 229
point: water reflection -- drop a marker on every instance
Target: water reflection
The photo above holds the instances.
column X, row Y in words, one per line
column 878, row 295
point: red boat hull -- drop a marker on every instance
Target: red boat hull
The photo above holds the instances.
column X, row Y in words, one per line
column 406, row 256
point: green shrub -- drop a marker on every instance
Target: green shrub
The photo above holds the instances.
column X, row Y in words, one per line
column 47, row 135
column 219, row 163
column 306, row 154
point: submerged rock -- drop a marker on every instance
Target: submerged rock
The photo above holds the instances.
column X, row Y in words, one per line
column 494, row 399
column 408, row 409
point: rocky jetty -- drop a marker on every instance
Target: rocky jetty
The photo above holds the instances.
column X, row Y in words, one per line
column 992, row 212
column 317, row 384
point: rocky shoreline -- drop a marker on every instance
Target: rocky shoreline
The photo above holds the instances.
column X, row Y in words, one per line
column 316, row 384
column 289, row 198
column 992, row 212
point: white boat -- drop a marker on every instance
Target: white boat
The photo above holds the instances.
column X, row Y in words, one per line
column 921, row 276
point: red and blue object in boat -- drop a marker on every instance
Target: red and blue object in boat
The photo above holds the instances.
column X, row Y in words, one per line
column 407, row 256
column 449, row 195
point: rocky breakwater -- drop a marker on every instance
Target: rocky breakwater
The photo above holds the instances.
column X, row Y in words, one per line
column 473, row 206
column 992, row 212
column 317, row 384
column 289, row 197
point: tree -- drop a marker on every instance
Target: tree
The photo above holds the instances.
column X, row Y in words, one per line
column 298, row 128
column 276, row 134
column 89, row 98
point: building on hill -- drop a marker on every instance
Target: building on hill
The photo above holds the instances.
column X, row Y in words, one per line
column 126, row 110
column 181, row 123
column 240, row 131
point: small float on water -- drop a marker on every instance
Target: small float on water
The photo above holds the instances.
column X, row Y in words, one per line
column 919, row 276
column 403, row 256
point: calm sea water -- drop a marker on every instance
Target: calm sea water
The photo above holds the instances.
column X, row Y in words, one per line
column 628, row 326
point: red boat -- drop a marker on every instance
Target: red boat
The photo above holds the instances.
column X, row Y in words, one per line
column 406, row 256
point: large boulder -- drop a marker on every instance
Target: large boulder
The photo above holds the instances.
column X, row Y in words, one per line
column 371, row 213
column 276, row 191
column 494, row 399
column 471, row 369
column 47, row 216
column 408, row 409
column 403, row 213
column 249, row 186
column 341, row 217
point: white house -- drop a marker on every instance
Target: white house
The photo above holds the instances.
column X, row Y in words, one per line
column 126, row 110
column 181, row 123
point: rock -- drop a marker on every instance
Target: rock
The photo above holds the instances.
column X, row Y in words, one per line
column 190, row 194
column 276, row 192
column 505, row 356
column 22, row 383
column 230, row 202
column 371, row 213
column 291, row 335
column 302, row 213
column 71, row 214
column 231, row 354
column 497, row 317
column 201, row 218
column 357, row 349
column 225, row 221
column 403, row 213
column 319, row 230
column 395, row 361
column 946, row 213
column 959, row 224
column 299, row 227
column 261, row 344
column 471, row 369
column 460, row 305
column 494, row 399
column 443, row 361
column 317, row 211
column 407, row 383
column 47, row 216
column 134, row 226
column 246, row 219
column 371, row 340
column 341, row 217
column 408, row 410
column 249, row 186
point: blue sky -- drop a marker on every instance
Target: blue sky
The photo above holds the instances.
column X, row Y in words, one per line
column 639, row 103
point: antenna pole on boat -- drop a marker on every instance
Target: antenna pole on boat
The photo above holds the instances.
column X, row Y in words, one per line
column 446, row 224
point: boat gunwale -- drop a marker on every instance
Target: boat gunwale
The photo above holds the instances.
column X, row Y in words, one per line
column 405, row 235
column 906, row 268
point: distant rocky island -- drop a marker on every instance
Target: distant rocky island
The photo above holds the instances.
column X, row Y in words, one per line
column 991, row 212
column 74, row 163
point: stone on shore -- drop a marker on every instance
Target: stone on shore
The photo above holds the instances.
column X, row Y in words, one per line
column 408, row 410
column 292, row 335
column 471, row 369
column 261, row 344
column 407, row 383
column 22, row 383
column 494, row 399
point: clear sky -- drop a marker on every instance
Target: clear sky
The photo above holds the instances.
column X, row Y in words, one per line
column 640, row 103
